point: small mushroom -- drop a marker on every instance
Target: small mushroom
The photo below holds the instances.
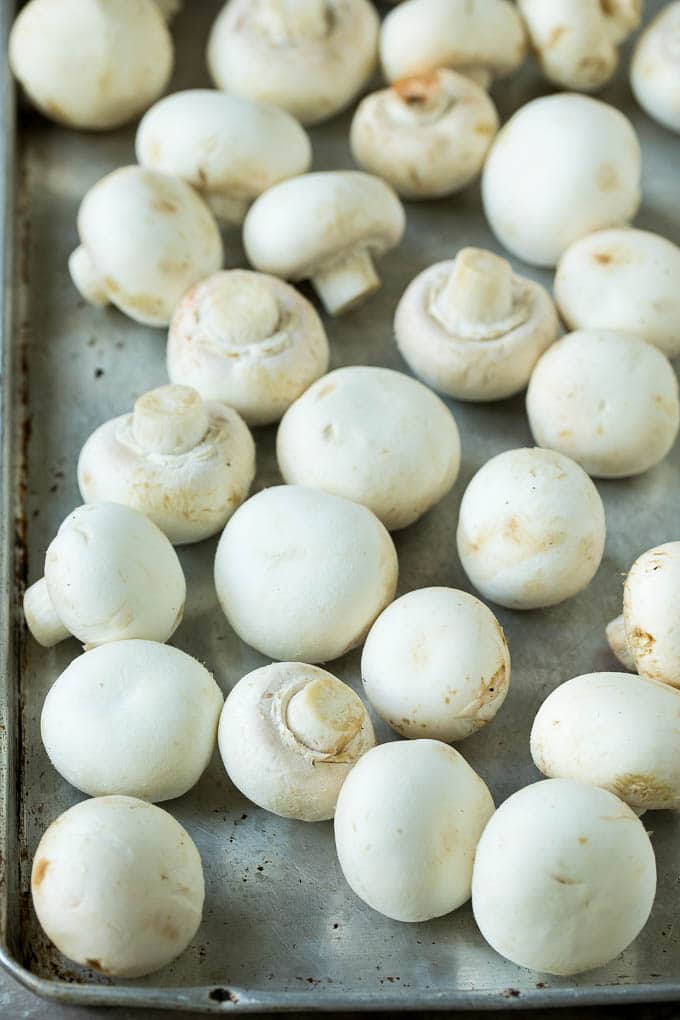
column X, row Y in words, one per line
column 608, row 400
column 110, row 575
column 249, row 340
column 374, row 436
column 408, row 820
column 473, row 329
column 310, row 57
column 132, row 717
column 622, row 279
column 563, row 166
column 531, row 529
column 91, row 64
column 230, row 149
column 428, row 136
column 145, row 238
column 328, row 227
column 289, row 736
column 436, row 664
column 564, row 877
column 184, row 463
column 301, row 575
column 118, row 887
column 655, row 68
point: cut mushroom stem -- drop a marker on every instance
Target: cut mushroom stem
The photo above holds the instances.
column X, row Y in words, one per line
column 86, row 278
column 325, row 715
column 42, row 619
column 419, row 100
column 618, row 642
column 479, row 290
column 295, row 21
column 170, row 420
column 346, row 281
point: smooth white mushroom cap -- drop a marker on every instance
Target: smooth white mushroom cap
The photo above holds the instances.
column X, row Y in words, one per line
column 564, row 877
column 651, row 610
column 289, row 736
column 230, row 149
column 563, row 166
column 473, row 329
column 622, row 279
column 146, row 238
column 407, row 823
column 607, row 400
column 91, row 64
column 301, row 575
column 118, row 886
column 655, row 67
column 531, row 529
column 132, row 717
column 436, row 664
column 374, row 436
column 249, row 340
column 311, row 57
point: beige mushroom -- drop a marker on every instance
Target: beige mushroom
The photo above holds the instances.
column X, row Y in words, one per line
column 655, row 67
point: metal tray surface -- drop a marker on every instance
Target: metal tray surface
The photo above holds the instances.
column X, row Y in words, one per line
column 281, row 929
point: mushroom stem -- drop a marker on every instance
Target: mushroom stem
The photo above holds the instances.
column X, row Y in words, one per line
column 227, row 208
column 86, row 278
column 240, row 311
column 418, row 100
column 42, row 618
column 346, row 281
column 618, row 642
column 295, row 21
column 170, row 420
column 478, row 290
column 325, row 715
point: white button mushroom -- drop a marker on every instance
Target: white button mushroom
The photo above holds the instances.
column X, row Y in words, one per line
column 184, row 463
column 616, row 731
column 132, row 717
column 110, row 574
column 562, row 167
column 472, row 328
column 531, row 529
column 622, row 279
column 145, row 238
column 118, row 886
column 564, row 877
column 436, row 664
column 311, row 57
column 655, row 68
column 249, row 340
column 327, row 227
column 230, row 149
column 375, row 436
column 91, row 64
column 302, row 575
column 607, row 400
column 289, row 736
column 407, row 823
column 428, row 136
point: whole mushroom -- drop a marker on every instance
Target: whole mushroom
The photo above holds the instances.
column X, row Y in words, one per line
column 655, row 67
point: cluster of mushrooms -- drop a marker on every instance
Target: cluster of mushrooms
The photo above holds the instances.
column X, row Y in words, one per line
column 307, row 570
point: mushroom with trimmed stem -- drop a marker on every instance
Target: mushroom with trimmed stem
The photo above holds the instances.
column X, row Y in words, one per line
column 117, row 885
column 185, row 463
column 230, row 149
column 110, row 575
column 145, row 238
column 328, row 227
column 302, row 575
column 655, row 68
column 407, row 823
column 249, row 340
column 310, row 57
column 374, row 436
column 473, row 329
column 289, row 736
column 563, row 166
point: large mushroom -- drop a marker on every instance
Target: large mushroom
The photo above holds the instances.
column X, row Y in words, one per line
column 655, row 67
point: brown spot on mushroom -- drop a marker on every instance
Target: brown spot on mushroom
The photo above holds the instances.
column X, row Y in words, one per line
column 583, row 840
column 168, row 930
column 418, row 89
column 564, row 880
column 606, row 177
column 603, row 257
column 39, row 872
column 637, row 786
column 555, row 35
column 484, row 127
column 96, row 965
column 325, row 390
column 641, row 641
column 164, row 205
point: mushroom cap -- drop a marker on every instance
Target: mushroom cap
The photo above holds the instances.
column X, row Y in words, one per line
column 428, row 136
column 68, row 56
column 622, row 279
column 249, row 340
column 374, row 436
column 118, row 886
column 301, row 575
column 607, row 400
column 563, row 166
column 312, row 78
column 651, row 610
column 564, row 877
column 408, row 820
column 132, row 717
column 616, row 731
column 113, row 575
column 531, row 529
column 655, row 67
column 436, row 664
column 267, row 760
column 150, row 237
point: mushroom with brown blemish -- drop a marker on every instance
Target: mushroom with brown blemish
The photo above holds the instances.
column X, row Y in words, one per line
column 655, row 67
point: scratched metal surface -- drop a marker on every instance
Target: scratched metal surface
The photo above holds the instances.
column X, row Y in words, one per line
column 281, row 929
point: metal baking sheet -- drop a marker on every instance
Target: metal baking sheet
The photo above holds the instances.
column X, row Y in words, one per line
column 281, row 929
